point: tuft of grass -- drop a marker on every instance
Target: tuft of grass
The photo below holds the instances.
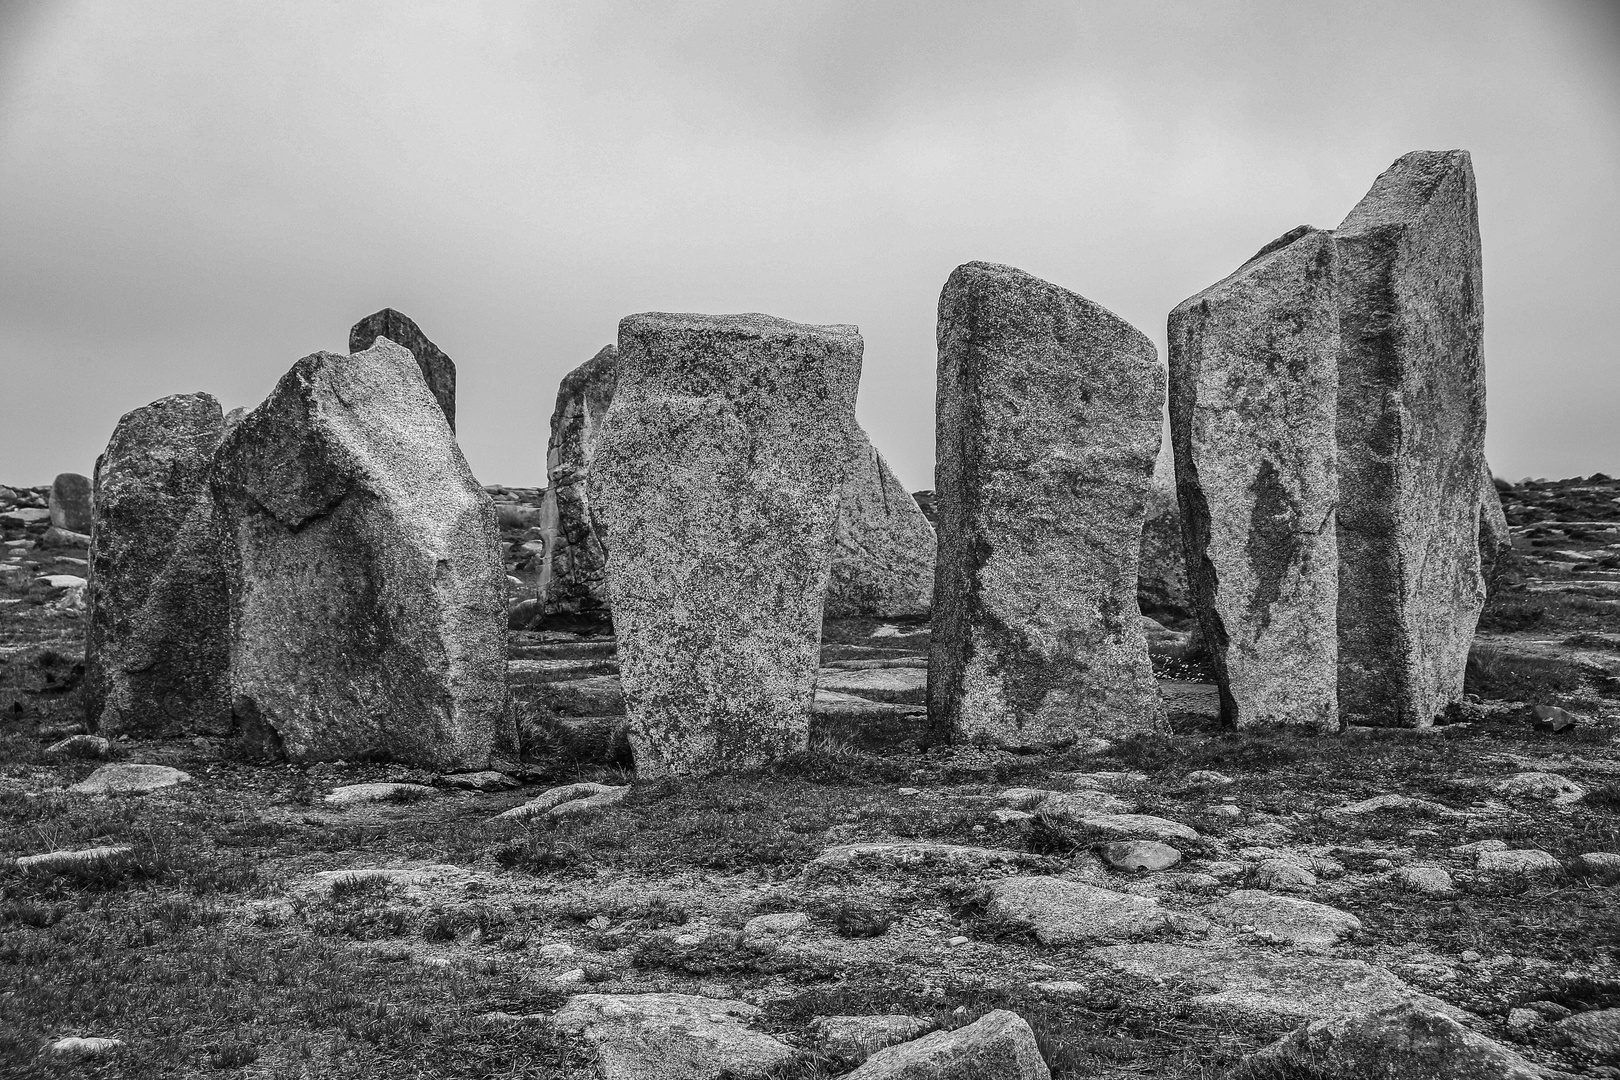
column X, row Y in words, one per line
column 1508, row 676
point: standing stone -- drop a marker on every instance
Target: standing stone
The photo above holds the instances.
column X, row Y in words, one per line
column 1161, row 579
column 1048, row 422
column 1253, row 407
column 883, row 558
column 714, row 485
column 156, row 655
column 574, row 581
column 1494, row 536
column 437, row 369
column 1411, row 432
column 70, row 501
column 367, row 591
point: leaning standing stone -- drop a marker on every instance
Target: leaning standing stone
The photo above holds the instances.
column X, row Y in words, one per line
column 714, row 486
column 575, row 579
column 1495, row 539
column 1047, row 428
column 883, row 559
column 1253, row 399
column 367, row 592
column 70, row 503
column 157, row 647
column 1411, row 432
column 438, row 371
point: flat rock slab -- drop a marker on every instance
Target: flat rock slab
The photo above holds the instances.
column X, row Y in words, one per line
column 1077, row 806
column 920, row 856
column 56, row 862
column 1284, row 919
column 129, row 779
column 1528, row 863
column 1395, row 804
column 1597, row 1032
column 411, row 881
column 1048, row 428
column 1064, row 912
column 1135, row 826
column 483, row 780
column 84, row 746
column 670, row 1036
column 1269, row 985
column 351, row 794
column 1400, row 1043
column 1540, row 787
column 1139, row 855
column 999, row 1045
column 552, row 798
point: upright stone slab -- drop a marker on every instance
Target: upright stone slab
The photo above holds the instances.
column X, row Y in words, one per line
column 1411, row 433
column 883, row 557
column 70, row 501
column 367, row 592
column 157, row 644
column 1494, row 536
column 1048, row 423
column 575, row 581
column 1253, row 407
column 1161, row 580
column 437, row 369
column 714, row 485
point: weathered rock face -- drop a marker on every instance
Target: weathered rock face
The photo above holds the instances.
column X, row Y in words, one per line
column 1253, row 401
column 367, row 592
column 70, row 503
column 1410, row 432
column 1000, row 1045
column 714, row 488
column 157, row 646
column 1047, row 428
column 438, row 371
column 1161, row 581
column 883, row 560
column 575, row 580
column 1494, row 536
column 1404, row 1042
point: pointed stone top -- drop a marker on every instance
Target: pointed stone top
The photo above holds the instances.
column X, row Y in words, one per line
column 1403, row 191
column 438, row 370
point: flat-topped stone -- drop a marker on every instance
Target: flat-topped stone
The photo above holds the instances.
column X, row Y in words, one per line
column 129, row 779
column 670, row 1036
column 55, row 862
column 1286, row 920
column 351, row 794
column 1000, row 1045
column 1404, row 1042
column 1062, row 912
column 919, row 855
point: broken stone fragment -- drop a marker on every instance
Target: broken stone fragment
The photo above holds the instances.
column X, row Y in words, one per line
column 1048, row 426
column 129, row 779
column 998, row 1046
column 1062, row 912
column 856, row 1038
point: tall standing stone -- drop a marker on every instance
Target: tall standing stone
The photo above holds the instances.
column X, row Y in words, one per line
column 1253, row 410
column 1494, row 536
column 156, row 657
column 1411, row 432
column 1048, row 423
column 367, row 591
column 70, row 503
column 714, row 485
column 575, row 578
column 438, row 371
column 883, row 555
column 1161, row 581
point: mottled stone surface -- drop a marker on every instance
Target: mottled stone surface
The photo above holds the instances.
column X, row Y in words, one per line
column 714, row 487
column 1253, row 402
column 883, row 559
column 70, row 503
column 670, row 1036
column 1048, row 423
column 1405, row 1042
column 438, row 371
column 1000, row 1045
column 1161, row 579
column 367, row 592
column 157, row 646
column 575, row 579
column 1411, row 430
column 1494, row 536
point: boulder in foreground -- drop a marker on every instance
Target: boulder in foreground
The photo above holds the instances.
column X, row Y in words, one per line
column 997, row 1046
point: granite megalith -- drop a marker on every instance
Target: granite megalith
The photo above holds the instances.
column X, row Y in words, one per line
column 1495, row 539
column 1048, row 424
column 367, row 612
column 1253, row 412
column 883, row 556
column 1411, row 427
column 714, row 488
column 157, row 644
column 70, row 503
column 574, row 581
column 1161, row 581
column 438, row 371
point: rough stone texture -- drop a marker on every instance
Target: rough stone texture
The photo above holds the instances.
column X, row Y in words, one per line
column 714, row 487
column 1526, row 863
column 883, row 556
column 1048, row 423
column 1161, row 577
column 1494, row 536
column 859, row 1037
column 1271, row 985
column 1597, row 1032
column 925, row 856
column 157, row 647
column 574, row 581
column 129, row 779
column 1123, row 826
column 1428, row 880
column 71, row 503
column 1399, row 1043
column 1072, row 913
column 1253, row 398
column 1410, row 433
column 1284, row 919
column 670, row 1036
column 351, row 794
column 997, row 1046
column 438, row 371
column 1539, row 787
column 1139, row 855
column 367, row 592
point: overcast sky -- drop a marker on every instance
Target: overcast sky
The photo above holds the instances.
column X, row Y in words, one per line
column 194, row 195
